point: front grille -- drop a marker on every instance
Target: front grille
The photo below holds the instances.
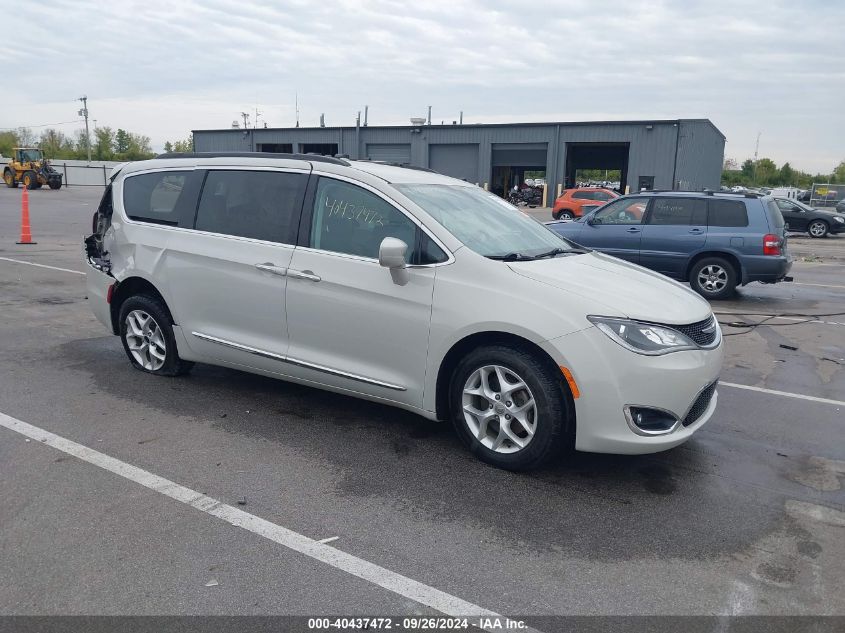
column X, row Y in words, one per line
column 696, row 332
column 700, row 405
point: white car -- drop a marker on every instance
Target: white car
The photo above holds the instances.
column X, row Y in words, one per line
column 405, row 287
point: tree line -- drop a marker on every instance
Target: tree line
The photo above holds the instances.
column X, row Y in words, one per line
column 106, row 144
column 766, row 173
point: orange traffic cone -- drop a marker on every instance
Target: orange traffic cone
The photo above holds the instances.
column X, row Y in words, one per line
column 26, row 231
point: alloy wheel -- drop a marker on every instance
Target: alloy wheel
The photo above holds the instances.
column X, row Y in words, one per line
column 817, row 229
column 713, row 278
column 145, row 340
column 499, row 409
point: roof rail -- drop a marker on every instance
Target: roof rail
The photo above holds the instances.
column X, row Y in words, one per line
column 309, row 157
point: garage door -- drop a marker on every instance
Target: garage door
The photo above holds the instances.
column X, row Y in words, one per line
column 458, row 161
column 390, row 152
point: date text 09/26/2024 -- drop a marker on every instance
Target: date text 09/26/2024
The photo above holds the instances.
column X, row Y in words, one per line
column 416, row 623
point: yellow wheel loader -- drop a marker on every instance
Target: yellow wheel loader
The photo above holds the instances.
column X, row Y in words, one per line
column 28, row 166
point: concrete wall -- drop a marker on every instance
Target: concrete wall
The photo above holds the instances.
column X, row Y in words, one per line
column 79, row 173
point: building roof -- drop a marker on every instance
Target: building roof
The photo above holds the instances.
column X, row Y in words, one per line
column 476, row 125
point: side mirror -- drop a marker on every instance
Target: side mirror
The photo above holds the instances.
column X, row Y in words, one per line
column 391, row 254
column 593, row 220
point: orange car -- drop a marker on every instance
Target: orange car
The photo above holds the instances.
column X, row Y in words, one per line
column 569, row 205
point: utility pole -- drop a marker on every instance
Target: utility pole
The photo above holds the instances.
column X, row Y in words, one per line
column 255, row 122
column 84, row 112
column 245, row 116
column 756, row 150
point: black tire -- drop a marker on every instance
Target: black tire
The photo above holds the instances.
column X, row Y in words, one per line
column 155, row 308
column 566, row 214
column 30, row 180
column 554, row 422
column 722, row 277
column 9, row 179
column 55, row 184
column 556, row 215
column 818, row 229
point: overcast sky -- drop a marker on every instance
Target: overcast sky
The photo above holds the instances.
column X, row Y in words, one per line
column 165, row 68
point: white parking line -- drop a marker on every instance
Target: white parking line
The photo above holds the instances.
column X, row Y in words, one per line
column 806, row 319
column 801, row 283
column 20, row 261
column 390, row 580
column 787, row 394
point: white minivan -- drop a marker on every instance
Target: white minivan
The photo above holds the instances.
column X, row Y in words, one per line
column 402, row 286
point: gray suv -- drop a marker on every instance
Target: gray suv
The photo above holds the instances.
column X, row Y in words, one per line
column 715, row 241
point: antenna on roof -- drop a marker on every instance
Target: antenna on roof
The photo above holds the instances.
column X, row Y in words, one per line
column 323, row 120
column 296, row 97
column 366, row 109
column 429, row 116
column 245, row 115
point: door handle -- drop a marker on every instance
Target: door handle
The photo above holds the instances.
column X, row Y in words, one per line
column 634, row 229
column 696, row 231
column 271, row 268
column 303, row 274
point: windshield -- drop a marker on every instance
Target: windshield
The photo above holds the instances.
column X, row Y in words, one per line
column 30, row 155
column 484, row 222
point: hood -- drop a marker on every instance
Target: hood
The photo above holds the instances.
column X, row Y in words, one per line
column 618, row 288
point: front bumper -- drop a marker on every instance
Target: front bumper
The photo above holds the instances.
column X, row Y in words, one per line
column 611, row 378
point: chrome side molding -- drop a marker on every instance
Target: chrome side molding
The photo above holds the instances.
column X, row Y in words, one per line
column 296, row 361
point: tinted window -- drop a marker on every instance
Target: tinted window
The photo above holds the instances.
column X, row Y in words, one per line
column 677, row 212
column 349, row 219
column 775, row 216
column 429, row 252
column 262, row 205
column 728, row 213
column 602, row 195
column 154, row 197
column 786, row 205
column 625, row 211
column 583, row 195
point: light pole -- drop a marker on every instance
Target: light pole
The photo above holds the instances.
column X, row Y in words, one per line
column 84, row 112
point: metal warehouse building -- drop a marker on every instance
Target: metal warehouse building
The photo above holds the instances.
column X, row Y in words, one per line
column 675, row 154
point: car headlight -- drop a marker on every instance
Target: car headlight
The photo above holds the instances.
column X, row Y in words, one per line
column 643, row 338
column 836, row 218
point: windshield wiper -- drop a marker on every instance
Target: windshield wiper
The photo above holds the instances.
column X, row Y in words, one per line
column 511, row 257
column 561, row 251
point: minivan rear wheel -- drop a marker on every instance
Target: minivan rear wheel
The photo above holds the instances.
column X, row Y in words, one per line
column 713, row 278
column 509, row 408
column 147, row 337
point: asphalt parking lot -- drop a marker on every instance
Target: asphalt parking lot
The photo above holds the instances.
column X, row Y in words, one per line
column 748, row 517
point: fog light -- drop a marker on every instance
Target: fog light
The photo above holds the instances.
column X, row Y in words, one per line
column 650, row 421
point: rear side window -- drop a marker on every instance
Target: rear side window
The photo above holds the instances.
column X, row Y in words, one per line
column 775, row 216
column 583, row 195
column 677, row 212
column 262, row 205
column 154, row 197
column 727, row 213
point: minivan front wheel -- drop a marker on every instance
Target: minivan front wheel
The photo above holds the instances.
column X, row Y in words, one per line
column 713, row 278
column 147, row 337
column 509, row 408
